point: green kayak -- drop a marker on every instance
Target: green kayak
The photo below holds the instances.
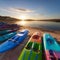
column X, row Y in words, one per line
column 33, row 49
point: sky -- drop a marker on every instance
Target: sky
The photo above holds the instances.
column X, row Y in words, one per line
column 31, row 9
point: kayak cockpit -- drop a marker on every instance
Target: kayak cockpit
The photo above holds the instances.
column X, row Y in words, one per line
column 35, row 47
column 35, row 36
column 29, row 45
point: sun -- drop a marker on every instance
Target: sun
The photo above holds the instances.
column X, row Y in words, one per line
column 23, row 17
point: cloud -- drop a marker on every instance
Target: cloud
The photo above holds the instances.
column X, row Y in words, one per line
column 20, row 10
column 17, row 10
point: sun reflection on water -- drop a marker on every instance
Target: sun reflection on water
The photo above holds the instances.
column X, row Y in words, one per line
column 21, row 22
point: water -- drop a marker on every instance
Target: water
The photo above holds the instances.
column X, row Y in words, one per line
column 41, row 24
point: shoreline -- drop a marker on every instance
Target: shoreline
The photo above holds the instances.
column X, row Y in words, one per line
column 43, row 29
column 55, row 34
column 16, row 22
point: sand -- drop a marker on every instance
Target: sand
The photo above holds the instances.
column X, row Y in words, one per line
column 14, row 53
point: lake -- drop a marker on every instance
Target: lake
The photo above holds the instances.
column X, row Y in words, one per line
column 41, row 24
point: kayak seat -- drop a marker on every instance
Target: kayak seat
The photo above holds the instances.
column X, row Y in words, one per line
column 13, row 37
column 36, row 47
column 35, row 37
column 52, row 55
column 29, row 45
column 50, row 41
column 51, row 52
column 13, row 40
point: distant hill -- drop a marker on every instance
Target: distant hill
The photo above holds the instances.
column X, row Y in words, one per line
column 53, row 20
column 15, row 19
column 8, row 18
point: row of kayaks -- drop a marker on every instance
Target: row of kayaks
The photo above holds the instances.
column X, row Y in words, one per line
column 6, row 34
column 14, row 41
column 33, row 48
column 6, row 31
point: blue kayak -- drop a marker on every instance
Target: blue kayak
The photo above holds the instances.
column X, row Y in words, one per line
column 5, row 31
column 2, row 23
column 50, row 43
column 6, row 36
column 14, row 41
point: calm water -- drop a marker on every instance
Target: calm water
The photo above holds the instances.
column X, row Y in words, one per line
column 41, row 24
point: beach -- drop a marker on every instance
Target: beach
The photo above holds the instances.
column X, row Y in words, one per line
column 41, row 16
column 14, row 53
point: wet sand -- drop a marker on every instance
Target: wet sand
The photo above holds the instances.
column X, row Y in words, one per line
column 14, row 53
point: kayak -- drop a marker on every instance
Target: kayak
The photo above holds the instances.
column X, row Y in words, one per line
column 5, row 26
column 33, row 49
column 7, row 36
column 2, row 23
column 51, row 47
column 6, row 31
column 14, row 41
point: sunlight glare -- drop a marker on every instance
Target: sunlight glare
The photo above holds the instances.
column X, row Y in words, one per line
column 23, row 22
column 23, row 17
